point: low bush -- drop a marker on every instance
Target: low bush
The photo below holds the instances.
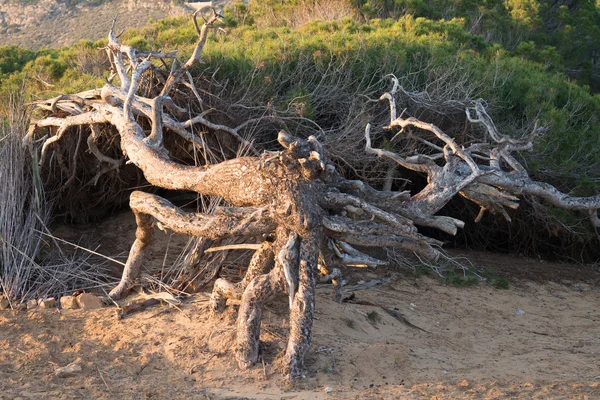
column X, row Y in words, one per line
column 324, row 76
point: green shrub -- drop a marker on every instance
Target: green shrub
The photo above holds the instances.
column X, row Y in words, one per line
column 326, row 71
column 13, row 59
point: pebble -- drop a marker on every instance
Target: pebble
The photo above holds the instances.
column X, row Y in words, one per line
column 4, row 303
column 464, row 383
column 328, row 389
column 70, row 370
column 89, row 301
column 68, row 303
column 32, row 304
column 49, row 302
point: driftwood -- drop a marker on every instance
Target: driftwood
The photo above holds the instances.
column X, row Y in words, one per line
column 308, row 216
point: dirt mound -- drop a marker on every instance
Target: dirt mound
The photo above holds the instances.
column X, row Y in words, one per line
column 477, row 345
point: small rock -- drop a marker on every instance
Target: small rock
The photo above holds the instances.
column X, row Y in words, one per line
column 518, row 311
column 32, row 304
column 328, row 389
column 4, row 303
column 89, row 301
column 48, row 302
column 68, row 303
column 464, row 383
column 70, row 370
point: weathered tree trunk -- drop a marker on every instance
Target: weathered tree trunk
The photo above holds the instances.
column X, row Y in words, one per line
column 294, row 195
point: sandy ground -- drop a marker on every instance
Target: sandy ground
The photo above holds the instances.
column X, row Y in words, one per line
column 476, row 345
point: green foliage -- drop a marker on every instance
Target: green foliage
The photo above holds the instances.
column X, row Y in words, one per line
column 13, row 59
column 283, row 66
column 373, row 317
column 460, row 278
column 514, row 54
column 422, row 270
column 299, row 99
column 471, row 277
column 48, row 72
column 237, row 14
column 495, row 280
column 349, row 323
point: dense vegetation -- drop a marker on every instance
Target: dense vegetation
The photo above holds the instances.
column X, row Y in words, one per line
column 318, row 64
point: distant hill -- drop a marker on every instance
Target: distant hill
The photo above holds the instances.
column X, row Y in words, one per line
column 55, row 23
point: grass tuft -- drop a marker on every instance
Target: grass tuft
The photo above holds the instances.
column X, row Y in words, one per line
column 32, row 265
column 373, row 317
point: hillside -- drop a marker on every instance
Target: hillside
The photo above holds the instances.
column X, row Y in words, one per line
column 55, row 23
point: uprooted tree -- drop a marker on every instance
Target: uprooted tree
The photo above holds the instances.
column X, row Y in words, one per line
column 307, row 216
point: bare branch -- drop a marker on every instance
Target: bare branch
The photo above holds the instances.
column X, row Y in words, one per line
column 202, row 32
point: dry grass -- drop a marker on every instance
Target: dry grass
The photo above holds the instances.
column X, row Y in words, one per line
column 303, row 12
column 23, row 213
column 30, row 265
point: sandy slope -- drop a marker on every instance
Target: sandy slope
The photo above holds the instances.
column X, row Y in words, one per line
column 477, row 347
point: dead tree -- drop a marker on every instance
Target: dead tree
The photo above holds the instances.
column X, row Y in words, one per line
column 309, row 216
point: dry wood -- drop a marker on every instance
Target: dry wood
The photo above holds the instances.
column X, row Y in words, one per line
column 294, row 199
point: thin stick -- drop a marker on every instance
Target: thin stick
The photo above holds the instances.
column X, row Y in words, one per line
column 243, row 246
column 80, row 248
column 111, row 299
column 193, row 370
column 105, row 384
column 262, row 359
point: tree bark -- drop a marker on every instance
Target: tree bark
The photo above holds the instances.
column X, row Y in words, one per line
column 295, row 194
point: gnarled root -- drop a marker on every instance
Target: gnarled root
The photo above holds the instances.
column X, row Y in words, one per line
column 265, row 286
column 258, row 291
column 303, row 306
column 262, row 262
column 261, row 289
column 131, row 273
column 327, row 258
column 225, row 223
column 335, row 277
